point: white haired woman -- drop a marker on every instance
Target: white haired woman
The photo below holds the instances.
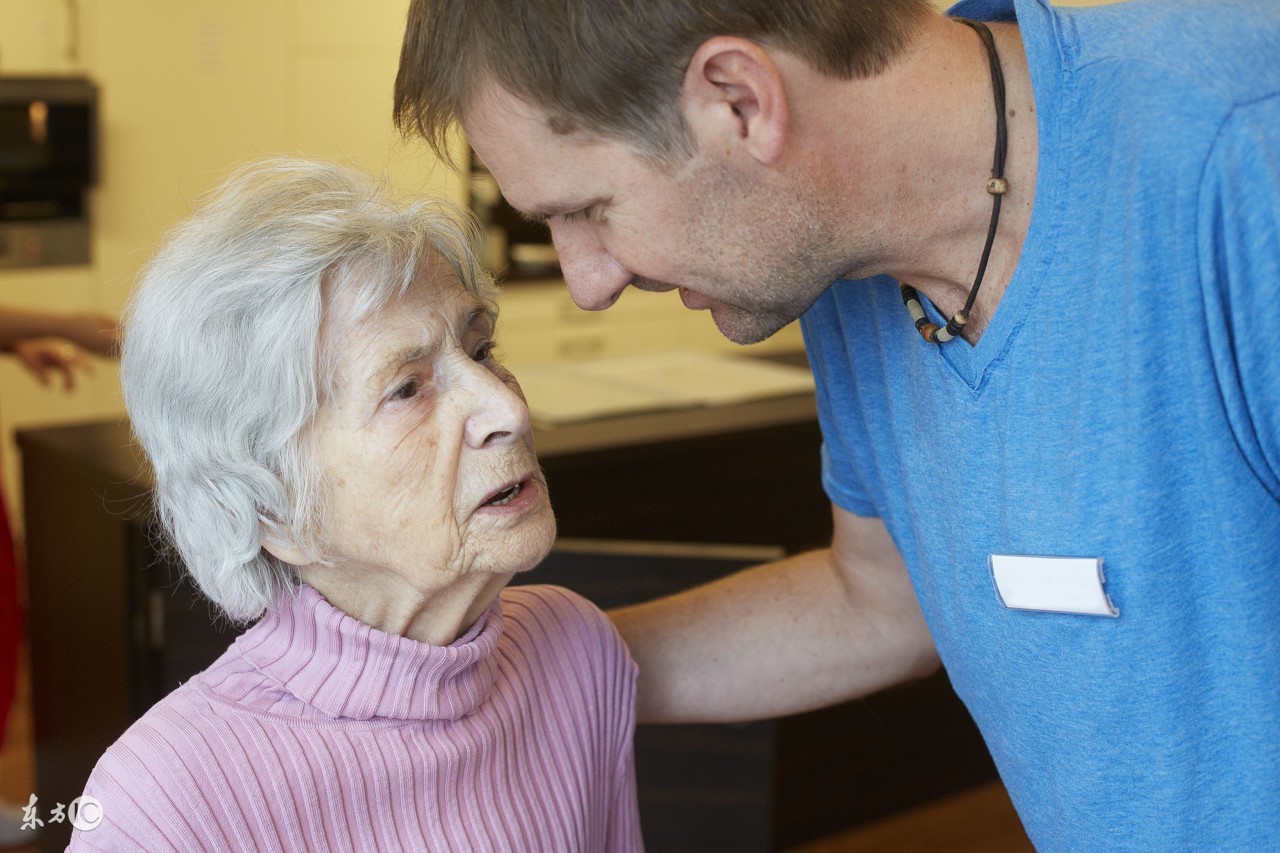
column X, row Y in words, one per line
column 309, row 366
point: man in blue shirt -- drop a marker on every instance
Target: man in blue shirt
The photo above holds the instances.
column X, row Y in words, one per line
column 1069, row 494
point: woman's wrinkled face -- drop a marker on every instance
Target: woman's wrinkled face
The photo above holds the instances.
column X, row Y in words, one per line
column 425, row 443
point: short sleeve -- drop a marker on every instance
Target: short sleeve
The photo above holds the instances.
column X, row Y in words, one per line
column 1239, row 242
column 839, row 407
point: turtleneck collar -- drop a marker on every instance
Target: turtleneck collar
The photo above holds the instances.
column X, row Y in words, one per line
column 347, row 669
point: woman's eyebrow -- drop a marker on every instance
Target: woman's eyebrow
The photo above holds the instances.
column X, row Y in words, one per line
column 399, row 358
column 478, row 315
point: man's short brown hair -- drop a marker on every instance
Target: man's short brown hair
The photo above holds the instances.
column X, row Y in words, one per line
column 615, row 67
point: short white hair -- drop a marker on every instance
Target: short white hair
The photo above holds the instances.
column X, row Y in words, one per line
column 221, row 364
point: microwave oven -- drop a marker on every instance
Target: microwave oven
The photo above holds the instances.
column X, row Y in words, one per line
column 48, row 161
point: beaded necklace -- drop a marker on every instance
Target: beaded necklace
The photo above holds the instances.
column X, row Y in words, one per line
column 997, row 186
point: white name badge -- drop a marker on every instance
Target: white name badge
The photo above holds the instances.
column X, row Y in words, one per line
column 1052, row 584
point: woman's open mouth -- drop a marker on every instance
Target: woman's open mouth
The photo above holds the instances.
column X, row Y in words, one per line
column 515, row 497
column 506, row 496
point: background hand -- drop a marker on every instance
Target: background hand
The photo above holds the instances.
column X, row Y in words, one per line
column 44, row 357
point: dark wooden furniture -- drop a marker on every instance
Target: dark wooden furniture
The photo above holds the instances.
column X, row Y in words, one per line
column 113, row 627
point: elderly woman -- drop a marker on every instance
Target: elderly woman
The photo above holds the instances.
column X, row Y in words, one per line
column 310, row 367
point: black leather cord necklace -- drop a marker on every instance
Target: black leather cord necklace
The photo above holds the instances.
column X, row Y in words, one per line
column 997, row 186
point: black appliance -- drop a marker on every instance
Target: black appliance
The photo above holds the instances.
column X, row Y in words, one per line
column 48, row 160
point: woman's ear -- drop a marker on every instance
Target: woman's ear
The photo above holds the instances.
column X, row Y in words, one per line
column 733, row 90
column 286, row 552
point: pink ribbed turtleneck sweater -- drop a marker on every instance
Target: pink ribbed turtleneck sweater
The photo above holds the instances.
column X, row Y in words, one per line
column 317, row 732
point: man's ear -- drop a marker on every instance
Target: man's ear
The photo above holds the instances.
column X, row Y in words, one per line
column 286, row 552
column 733, row 90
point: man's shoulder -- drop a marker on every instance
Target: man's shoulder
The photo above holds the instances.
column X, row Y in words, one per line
column 1227, row 50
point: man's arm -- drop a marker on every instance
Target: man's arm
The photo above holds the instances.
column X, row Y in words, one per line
column 802, row 633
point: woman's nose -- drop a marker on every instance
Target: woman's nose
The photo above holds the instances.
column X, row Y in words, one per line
column 594, row 277
column 498, row 414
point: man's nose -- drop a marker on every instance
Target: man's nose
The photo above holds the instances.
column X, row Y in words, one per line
column 594, row 277
column 498, row 414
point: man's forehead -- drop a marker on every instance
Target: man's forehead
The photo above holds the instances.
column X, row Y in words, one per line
column 502, row 125
column 497, row 114
column 541, row 173
column 491, row 97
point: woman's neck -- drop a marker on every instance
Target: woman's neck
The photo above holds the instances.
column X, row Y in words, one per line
column 436, row 615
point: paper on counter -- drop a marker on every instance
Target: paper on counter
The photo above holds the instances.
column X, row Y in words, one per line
column 608, row 387
column 559, row 395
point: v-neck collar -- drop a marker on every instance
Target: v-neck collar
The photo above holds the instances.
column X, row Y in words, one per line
column 1018, row 306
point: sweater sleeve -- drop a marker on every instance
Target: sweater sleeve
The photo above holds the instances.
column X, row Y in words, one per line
column 624, row 812
column 619, row 698
column 131, row 805
column 591, row 646
column 170, row 784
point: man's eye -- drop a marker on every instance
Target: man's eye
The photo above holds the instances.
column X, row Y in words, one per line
column 484, row 352
column 406, row 390
column 576, row 215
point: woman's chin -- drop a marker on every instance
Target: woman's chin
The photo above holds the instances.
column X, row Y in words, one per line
column 518, row 548
column 537, row 547
column 543, row 550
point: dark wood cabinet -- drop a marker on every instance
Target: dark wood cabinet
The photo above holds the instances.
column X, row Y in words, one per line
column 113, row 626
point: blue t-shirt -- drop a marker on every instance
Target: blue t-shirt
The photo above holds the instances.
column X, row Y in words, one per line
column 1123, row 403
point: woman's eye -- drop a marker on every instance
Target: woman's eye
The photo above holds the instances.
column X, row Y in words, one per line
column 406, row 390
